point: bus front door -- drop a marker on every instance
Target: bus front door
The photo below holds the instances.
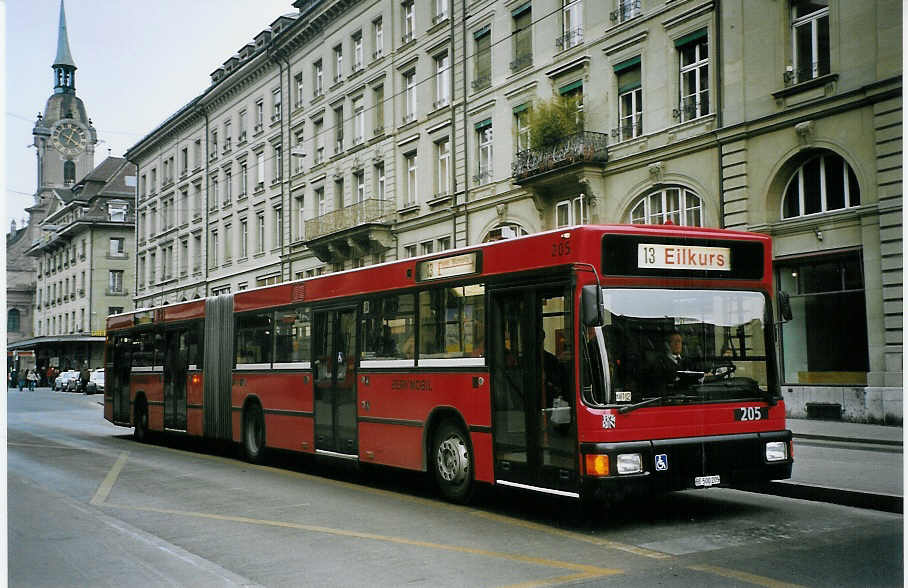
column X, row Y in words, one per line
column 176, row 353
column 334, row 372
column 533, row 413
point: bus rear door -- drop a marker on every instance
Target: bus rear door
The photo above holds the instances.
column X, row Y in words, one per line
column 176, row 352
column 534, row 424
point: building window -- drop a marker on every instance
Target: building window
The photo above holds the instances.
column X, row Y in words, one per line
column 357, row 51
column 116, row 212
column 298, row 97
column 410, row 197
column 380, row 181
column 320, row 202
column 69, row 173
column 409, row 96
column 626, row 10
column 522, row 127
column 482, row 58
column 504, row 231
column 317, row 79
column 214, row 195
column 228, row 187
column 378, row 106
column 338, row 194
column 678, row 205
column 571, row 212
column 426, row 247
column 810, row 39
column 484, row 158
column 522, row 56
column 244, row 180
column 227, row 136
column 825, row 182
column 693, row 51
column 184, row 257
column 410, row 251
column 260, row 233
column 278, row 171
column 409, row 21
column 822, row 287
column 630, row 99
column 276, row 105
column 444, row 243
column 12, row 320
column 300, row 206
column 317, row 140
column 359, row 121
column 441, row 11
column 244, row 239
column 338, row 129
column 117, row 247
column 277, row 216
column 338, row 63
column 259, row 115
column 115, row 281
column 378, row 39
column 571, row 24
column 213, row 248
column 442, row 170
column 442, row 80
column 359, row 181
column 259, row 170
column 197, row 257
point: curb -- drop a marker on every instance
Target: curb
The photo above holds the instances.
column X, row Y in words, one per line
column 812, row 437
column 854, row 498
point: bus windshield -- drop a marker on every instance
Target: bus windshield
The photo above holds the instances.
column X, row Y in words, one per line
column 687, row 345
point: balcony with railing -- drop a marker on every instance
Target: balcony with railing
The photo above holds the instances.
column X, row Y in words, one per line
column 579, row 149
column 353, row 231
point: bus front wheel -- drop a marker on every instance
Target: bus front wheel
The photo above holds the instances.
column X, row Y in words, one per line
column 254, row 433
column 452, row 458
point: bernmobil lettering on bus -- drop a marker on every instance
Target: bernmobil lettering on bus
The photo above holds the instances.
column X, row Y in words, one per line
column 654, row 255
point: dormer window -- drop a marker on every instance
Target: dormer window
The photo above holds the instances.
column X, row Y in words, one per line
column 116, row 211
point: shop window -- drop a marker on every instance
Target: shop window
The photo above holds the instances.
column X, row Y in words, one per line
column 826, row 342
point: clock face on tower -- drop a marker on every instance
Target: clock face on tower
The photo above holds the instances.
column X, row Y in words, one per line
column 69, row 138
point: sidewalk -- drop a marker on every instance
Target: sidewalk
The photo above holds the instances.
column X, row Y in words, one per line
column 845, row 463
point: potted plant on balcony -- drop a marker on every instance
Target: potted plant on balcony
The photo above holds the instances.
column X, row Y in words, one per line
column 553, row 120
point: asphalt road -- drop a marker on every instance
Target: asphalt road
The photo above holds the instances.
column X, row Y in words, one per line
column 89, row 506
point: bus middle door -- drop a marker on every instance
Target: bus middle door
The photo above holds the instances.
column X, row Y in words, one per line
column 334, row 371
column 176, row 351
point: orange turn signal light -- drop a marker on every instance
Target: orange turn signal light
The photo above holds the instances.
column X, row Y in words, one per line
column 597, row 465
column 196, row 378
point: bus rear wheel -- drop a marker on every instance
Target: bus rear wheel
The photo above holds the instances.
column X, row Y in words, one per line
column 253, row 433
column 140, row 433
column 452, row 459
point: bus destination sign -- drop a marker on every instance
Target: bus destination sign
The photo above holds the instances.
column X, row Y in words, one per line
column 448, row 267
column 680, row 256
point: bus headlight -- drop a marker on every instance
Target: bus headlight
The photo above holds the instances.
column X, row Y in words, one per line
column 776, row 451
column 630, row 463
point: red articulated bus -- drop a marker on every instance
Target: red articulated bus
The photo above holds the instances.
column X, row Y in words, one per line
column 593, row 361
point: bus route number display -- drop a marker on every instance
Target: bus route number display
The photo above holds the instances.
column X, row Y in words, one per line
column 683, row 257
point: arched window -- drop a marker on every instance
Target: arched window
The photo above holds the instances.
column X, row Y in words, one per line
column 676, row 204
column 504, row 231
column 824, row 182
column 69, row 172
column 12, row 320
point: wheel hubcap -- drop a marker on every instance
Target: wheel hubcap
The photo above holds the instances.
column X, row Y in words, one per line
column 453, row 460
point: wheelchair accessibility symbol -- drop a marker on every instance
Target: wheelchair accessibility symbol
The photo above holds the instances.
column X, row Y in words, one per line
column 661, row 462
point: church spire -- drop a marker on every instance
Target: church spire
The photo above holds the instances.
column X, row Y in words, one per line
column 64, row 66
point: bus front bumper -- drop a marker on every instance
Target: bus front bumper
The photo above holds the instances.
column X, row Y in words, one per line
column 667, row 465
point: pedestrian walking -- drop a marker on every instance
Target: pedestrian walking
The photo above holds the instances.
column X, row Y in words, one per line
column 84, row 376
column 32, row 377
column 21, row 378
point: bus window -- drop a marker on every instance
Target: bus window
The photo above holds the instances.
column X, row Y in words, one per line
column 292, row 335
column 452, row 322
column 143, row 350
column 195, row 358
column 253, row 338
column 389, row 328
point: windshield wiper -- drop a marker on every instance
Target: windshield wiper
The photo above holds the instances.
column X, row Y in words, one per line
column 656, row 400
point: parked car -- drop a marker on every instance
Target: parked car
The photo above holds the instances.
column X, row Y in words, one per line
column 72, row 385
column 63, row 380
column 95, row 381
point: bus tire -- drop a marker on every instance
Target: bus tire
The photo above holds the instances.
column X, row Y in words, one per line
column 140, row 433
column 452, row 462
column 253, row 433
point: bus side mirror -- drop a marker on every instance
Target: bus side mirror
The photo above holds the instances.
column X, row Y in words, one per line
column 591, row 306
column 784, row 306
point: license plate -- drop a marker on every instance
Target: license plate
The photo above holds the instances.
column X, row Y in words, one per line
column 706, row 481
column 752, row 413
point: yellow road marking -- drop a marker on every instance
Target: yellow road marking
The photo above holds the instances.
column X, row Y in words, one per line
column 593, row 571
column 743, row 577
column 111, row 478
column 574, row 535
column 14, row 444
column 553, row 581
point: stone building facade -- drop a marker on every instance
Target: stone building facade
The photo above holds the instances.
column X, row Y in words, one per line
column 354, row 132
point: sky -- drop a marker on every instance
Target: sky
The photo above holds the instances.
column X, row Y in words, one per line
column 138, row 63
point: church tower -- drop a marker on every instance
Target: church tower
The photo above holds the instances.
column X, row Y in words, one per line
column 64, row 136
